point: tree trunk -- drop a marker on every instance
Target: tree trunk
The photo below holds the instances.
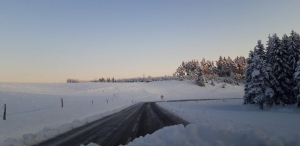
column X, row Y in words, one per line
column 261, row 105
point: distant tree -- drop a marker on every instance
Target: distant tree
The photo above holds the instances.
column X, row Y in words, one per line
column 248, row 98
column 259, row 86
column 199, row 76
column 297, row 80
column 294, row 49
column 278, row 56
column 180, row 73
column 113, row 80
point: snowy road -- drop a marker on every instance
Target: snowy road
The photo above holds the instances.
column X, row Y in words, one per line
column 120, row 128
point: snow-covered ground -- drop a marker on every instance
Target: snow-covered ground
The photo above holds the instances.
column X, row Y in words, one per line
column 227, row 122
column 36, row 108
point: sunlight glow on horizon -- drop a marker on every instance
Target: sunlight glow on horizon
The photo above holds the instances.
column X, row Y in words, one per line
column 51, row 41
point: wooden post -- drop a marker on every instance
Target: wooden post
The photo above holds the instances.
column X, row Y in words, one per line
column 106, row 100
column 4, row 114
column 62, row 102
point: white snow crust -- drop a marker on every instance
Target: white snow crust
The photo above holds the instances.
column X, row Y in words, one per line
column 227, row 123
column 212, row 135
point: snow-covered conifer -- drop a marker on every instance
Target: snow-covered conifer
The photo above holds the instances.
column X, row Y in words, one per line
column 294, row 49
column 180, row 73
column 260, row 49
column 199, row 76
column 278, row 58
column 297, row 79
column 248, row 98
column 259, row 86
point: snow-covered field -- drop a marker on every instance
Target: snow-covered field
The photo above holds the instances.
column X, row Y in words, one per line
column 227, row 122
column 36, row 108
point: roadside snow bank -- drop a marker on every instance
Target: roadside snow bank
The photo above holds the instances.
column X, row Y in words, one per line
column 217, row 112
column 48, row 132
column 212, row 135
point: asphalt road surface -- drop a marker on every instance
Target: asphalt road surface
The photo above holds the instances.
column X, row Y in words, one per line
column 119, row 128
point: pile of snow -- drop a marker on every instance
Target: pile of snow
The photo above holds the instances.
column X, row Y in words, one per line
column 212, row 135
column 227, row 122
column 34, row 111
column 281, row 121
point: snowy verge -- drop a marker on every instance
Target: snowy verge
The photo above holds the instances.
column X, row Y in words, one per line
column 275, row 121
column 48, row 132
column 212, row 135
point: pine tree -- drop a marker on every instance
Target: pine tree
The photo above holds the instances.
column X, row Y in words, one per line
column 247, row 96
column 113, row 79
column 199, row 76
column 259, row 85
column 180, row 73
column 221, row 66
column 278, row 56
column 261, row 49
column 294, row 52
column 286, row 77
column 204, row 66
column 269, row 48
column 294, row 49
column 297, row 79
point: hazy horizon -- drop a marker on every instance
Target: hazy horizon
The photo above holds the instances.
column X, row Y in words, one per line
column 51, row 41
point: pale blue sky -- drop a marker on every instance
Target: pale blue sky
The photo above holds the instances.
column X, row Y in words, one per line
column 52, row 40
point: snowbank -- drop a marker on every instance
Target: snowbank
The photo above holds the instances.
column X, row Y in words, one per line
column 229, row 122
column 275, row 121
column 212, row 135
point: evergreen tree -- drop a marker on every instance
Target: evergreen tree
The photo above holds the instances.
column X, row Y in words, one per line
column 248, row 98
column 278, row 56
column 294, row 49
column 221, row 66
column 269, row 49
column 294, row 52
column 259, row 85
column 286, row 78
column 260, row 49
column 180, row 73
column 297, row 79
column 199, row 76
column 204, row 66
column 113, row 79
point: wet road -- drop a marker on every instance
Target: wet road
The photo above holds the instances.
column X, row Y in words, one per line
column 119, row 128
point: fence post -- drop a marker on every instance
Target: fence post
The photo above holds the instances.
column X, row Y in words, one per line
column 4, row 114
column 62, row 102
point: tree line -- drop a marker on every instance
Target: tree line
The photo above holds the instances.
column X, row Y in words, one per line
column 125, row 80
column 204, row 70
column 273, row 73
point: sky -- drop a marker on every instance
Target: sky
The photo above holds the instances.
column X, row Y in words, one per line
column 53, row 40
